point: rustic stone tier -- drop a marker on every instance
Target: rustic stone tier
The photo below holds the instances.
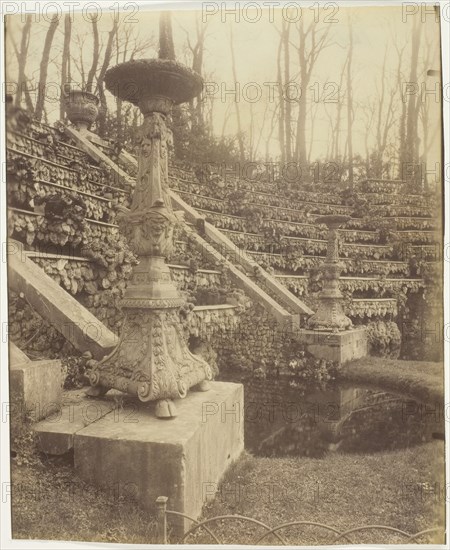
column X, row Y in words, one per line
column 372, row 307
column 306, row 262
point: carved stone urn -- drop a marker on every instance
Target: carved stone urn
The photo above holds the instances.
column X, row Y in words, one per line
column 152, row 360
column 330, row 314
column 81, row 108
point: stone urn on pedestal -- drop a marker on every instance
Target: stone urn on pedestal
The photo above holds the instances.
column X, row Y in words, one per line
column 151, row 360
column 330, row 314
column 81, row 108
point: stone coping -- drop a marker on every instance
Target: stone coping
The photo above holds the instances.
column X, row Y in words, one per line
column 214, row 307
column 346, row 278
column 376, row 300
column 51, row 301
column 32, row 213
column 49, row 256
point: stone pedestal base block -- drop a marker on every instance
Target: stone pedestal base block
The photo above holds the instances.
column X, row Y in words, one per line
column 131, row 451
column 336, row 346
column 35, row 388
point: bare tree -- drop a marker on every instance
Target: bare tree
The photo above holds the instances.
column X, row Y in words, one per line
column 127, row 45
column 402, row 119
column 369, row 113
column 336, row 150
column 350, row 113
column 424, row 109
column 313, row 114
column 197, row 50
column 269, row 136
column 281, row 117
column 311, row 42
column 285, row 30
column 385, row 116
column 95, row 55
column 22, row 59
column 225, row 120
column 166, row 46
column 411, row 121
column 408, row 151
column 101, row 76
column 260, row 134
column 66, row 76
column 78, row 61
column 238, row 111
column 44, row 67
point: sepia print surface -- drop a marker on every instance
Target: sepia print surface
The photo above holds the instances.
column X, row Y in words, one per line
column 225, row 273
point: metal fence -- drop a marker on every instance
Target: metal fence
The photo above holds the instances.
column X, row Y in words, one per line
column 347, row 536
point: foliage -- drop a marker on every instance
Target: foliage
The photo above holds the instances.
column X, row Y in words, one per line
column 66, row 208
column 384, row 338
column 303, row 367
column 121, row 132
column 35, row 336
column 193, row 141
column 75, row 370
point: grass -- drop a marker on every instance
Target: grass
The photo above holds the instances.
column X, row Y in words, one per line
column 344, row 491
column 421, row 380
column 50, row 502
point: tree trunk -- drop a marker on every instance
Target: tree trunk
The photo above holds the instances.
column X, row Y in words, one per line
column 402, row 122
column 22, row 59
column 238, row 112
column 300, row 147
column 95, row 57
column 350, row 108
column 65, row 65
column 411, row 152
column 28, row 100
column 44, row 67
column 166, row 46
column 281, row 105
column 101, row 77
column 288, row 109
column 336, row 151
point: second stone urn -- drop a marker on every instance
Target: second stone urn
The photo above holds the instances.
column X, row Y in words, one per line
column 330, row 314
column 152, row 359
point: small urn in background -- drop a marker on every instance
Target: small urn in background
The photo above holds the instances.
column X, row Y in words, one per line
column 81, row 108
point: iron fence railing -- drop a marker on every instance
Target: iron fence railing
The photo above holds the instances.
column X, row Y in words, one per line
column 339, row 536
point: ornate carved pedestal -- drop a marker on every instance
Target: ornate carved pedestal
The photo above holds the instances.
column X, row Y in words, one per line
column 330, row 314
column 152, row 359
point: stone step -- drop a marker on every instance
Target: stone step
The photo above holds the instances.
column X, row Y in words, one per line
column 16, row 355
column 35, row 386
column 55, row 434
